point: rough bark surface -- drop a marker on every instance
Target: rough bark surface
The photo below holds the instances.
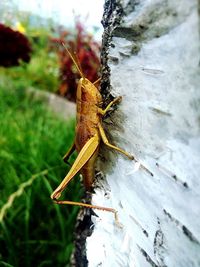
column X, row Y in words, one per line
column 151, row 58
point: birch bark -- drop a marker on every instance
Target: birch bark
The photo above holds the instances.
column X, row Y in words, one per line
column 151, row 58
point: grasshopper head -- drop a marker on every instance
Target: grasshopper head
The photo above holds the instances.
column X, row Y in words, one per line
column 89, row 92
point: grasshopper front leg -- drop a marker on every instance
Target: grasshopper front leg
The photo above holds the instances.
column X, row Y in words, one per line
column 104, row 111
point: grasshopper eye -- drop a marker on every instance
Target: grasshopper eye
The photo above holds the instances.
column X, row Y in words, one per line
column 85, row 85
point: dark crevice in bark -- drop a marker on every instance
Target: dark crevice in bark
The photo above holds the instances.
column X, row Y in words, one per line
column 184, row 229
column 83, row 229
column 112, row 16
column 148, row 258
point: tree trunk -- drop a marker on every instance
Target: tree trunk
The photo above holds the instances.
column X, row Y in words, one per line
column 151, row 58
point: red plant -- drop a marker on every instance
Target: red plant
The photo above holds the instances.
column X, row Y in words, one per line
column 14, row 46
column 86, row 51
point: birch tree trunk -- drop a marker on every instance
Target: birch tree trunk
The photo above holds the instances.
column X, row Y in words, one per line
column 150, row 58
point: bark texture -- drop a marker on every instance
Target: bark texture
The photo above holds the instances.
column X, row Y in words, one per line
column 151, row 58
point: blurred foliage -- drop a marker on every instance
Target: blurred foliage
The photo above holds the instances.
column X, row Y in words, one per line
column 33, row 230
column 51, row 68
column 86, row 52
column 42, row 70
column 14, row 47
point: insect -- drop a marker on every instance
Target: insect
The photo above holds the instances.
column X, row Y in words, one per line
column 89, row 132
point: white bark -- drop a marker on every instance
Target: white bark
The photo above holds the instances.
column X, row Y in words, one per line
column 154, row 64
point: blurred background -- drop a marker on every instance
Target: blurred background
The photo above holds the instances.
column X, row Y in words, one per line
column 34, row 133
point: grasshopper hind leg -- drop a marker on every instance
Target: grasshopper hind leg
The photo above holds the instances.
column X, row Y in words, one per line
column 90, row 206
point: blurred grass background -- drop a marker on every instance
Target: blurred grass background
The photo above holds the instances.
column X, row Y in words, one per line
column 33, row 230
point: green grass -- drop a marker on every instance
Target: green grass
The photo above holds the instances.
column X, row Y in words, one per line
column 33, row 230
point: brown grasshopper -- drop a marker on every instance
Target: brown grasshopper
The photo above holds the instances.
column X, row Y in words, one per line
column 89, row 133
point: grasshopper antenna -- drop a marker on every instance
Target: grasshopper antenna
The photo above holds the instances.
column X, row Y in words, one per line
column 74, row 61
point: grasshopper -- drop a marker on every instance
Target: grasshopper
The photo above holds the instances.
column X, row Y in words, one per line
column 89, row 132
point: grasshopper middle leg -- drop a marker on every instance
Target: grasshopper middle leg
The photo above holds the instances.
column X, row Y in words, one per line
column 106, row 142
